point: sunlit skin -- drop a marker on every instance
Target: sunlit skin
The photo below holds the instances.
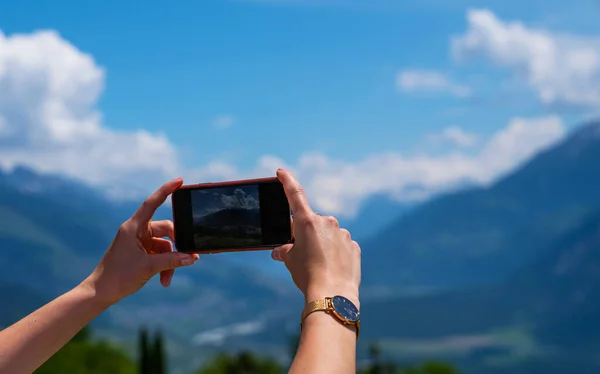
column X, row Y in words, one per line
column 132, row 259
column 324, row 262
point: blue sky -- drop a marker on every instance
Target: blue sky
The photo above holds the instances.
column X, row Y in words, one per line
column 229, row 89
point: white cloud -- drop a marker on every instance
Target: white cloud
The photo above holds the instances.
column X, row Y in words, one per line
column 223, row 122
column 518, row 142
column 240, row 199
column 562, row 69
column 337, row 187
column 419, row 80
column 48, row 96
column 218, row 336
column 455, row 136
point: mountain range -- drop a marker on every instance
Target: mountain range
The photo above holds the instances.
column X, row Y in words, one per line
column 528, row 301
column 53, row 241
column 498, row 279
column 480, row 235
column 543, row 319
column 224, row 217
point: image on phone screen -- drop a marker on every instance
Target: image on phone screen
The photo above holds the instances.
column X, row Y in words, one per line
column 231, row 216
column 227, row 217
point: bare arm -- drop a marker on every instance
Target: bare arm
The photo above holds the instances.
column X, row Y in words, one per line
column 27, row 344
column 136, row 255
column 324, row 262
column 326, row 346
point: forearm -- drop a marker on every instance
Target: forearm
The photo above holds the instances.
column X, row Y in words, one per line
column 326, row 345
column 29, row 343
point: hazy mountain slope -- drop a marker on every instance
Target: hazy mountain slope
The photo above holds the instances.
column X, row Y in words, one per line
column 565, row 284
column 221, row 218
column 375, row 213
column 46, row 246
column 68, row 192
column 553, row 302
column 49, row 246
column 480, row 235
column 560, row 283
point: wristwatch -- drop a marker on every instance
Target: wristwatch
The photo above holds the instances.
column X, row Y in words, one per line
column 339, row 307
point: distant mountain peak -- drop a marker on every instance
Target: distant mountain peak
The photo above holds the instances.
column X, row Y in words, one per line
column 26, row 177
column 590, row 132
column 583, row 139
column 56, row 187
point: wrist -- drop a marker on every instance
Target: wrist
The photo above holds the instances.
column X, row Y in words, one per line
column 318, row 293
column 336, row 304
column 93, row 294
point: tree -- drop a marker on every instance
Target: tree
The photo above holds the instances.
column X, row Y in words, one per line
column 83, row 355
column 242, row 363
column 85, row 334
column 375, row 352
column 151, row 355
column 378, row 366
column 375, row 357
column 143, row 352
column 158, row 355
column 432, row 367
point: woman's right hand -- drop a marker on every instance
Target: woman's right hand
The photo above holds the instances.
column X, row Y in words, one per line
column 324, row 261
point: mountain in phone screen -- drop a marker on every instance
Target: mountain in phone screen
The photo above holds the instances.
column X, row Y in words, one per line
column 227, row 217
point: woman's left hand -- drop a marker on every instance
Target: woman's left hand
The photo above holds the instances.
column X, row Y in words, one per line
column 139, row 252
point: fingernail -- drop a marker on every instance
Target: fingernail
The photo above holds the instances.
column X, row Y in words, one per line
column 275, row 255
column 178, row 179
column 187, row 260
column 169, row 280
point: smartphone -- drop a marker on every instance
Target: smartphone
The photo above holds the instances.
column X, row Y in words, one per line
column 243, row 215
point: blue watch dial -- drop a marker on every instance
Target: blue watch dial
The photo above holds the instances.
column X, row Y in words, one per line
column 345, row 309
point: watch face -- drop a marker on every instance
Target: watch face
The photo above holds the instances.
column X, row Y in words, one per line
column 345, row 308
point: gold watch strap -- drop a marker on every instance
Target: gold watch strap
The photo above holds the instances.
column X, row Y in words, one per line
column 324, row 305
column 316, row 306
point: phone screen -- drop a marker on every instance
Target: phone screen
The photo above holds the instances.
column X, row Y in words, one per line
column 231, row 216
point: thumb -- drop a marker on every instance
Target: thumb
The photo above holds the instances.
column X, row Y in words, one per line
column 170, row 260
column 280, row 253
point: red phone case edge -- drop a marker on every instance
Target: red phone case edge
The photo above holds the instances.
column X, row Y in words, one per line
column 224, row 184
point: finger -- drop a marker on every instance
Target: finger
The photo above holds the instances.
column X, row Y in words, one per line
column 145, row 212
column 169, row 260
column 346, row 234
column 163, row 246
column 158, row 242
column 162, row 229
column 332, row 221
column 280, row 253
column 295, row 194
